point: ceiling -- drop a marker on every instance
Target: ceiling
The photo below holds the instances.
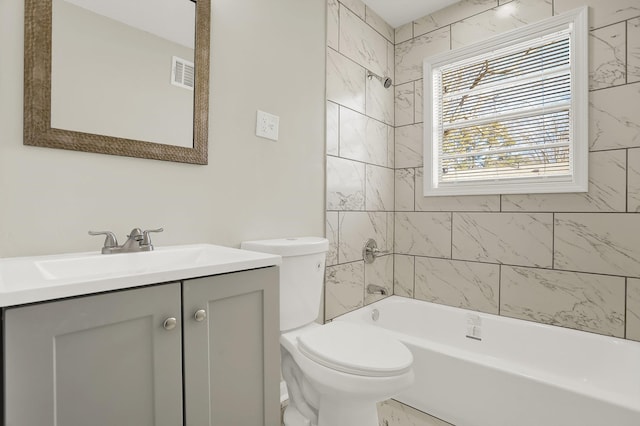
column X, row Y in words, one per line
column 399, row 12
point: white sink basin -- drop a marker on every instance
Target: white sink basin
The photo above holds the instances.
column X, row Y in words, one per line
column 32, row 279
column 91, row 264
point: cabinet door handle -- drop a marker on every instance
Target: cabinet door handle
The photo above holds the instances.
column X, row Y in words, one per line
column 170, row 323
column 200, row 315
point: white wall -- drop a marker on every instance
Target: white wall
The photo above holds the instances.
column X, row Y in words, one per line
column 265, row 55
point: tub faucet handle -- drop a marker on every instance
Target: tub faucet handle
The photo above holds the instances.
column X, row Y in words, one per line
column 370, row 251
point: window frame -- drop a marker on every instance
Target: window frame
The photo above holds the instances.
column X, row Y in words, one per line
column 577, row 22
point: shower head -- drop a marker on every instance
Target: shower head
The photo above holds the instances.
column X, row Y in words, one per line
column 385, row 81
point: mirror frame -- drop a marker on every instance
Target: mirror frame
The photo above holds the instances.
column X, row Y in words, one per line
column 37, row 96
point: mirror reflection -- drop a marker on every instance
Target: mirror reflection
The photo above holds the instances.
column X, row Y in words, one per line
column 124, row 69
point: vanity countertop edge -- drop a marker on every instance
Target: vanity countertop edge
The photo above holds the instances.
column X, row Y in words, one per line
column 22, row 280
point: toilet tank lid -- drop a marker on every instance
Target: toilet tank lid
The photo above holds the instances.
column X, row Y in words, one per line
column 288, row 246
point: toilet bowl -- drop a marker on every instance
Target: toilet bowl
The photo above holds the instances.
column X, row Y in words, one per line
column 337, row 372
column 346, row 369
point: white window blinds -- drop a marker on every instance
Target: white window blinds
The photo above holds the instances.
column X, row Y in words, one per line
column 503, row 120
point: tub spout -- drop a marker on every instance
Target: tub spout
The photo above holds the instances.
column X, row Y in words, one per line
column 376, row 289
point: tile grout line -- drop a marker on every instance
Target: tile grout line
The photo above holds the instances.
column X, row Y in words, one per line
column 365, row 187
column 365, row 100
column 553, row 241
column 514, row 265
column 339, row 139
column 338, row 238
column 365, row 21
column 451, row 251
column 360, row 162
column 450, row 24
column 499, row 289
column 615, row 23
column 324, row 299
column 414, row 189
column 413, row 279
column 626, row 51
column 600, row 89
column 414, row 101
column 362, row 113
column 339, row 24
column 626, row 188
column 626, row 299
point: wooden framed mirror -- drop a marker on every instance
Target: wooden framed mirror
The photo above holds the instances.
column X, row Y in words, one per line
column 59, row 77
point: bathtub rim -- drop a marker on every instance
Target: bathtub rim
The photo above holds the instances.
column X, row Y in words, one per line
column 520, row 370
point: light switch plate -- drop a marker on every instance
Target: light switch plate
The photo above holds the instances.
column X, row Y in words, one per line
column 267, row 125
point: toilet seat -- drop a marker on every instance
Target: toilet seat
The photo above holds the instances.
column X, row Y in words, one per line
column 355, row 349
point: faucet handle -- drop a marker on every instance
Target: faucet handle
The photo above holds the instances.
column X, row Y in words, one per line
column 370, row 251
column 146, row 239
column 110, row 240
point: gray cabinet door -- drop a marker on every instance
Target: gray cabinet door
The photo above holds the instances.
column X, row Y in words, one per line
column 101, row 360
column 232, row 358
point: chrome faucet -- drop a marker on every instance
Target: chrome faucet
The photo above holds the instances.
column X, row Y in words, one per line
column 370, row 251
column 138, row 240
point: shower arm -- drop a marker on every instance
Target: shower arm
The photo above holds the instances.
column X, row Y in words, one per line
column 385, row 81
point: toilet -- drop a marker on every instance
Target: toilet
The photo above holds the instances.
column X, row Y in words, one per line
column 337, row 372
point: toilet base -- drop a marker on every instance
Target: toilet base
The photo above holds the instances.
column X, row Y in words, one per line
column 292, row 417
column 333, row 413
column 336, row 413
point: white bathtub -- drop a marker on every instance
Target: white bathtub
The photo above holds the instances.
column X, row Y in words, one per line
column 519, row 374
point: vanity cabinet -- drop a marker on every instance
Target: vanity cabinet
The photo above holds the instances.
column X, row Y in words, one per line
column 232, row 357
column 198, row 352
column 97, row 360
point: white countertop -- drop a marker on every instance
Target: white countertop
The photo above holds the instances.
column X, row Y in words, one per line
column 35, row 279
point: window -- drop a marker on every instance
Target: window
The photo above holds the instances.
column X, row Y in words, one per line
column 509, row 115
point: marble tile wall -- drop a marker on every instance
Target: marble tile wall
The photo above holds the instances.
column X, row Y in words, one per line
column 571, row 260
column 360, row 154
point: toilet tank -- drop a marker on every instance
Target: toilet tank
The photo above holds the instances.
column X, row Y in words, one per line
column 301, row 276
